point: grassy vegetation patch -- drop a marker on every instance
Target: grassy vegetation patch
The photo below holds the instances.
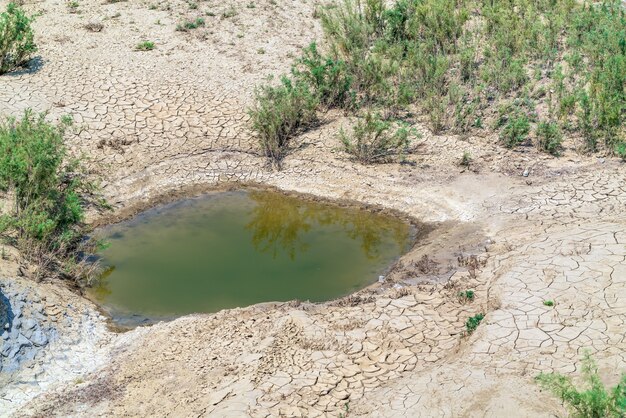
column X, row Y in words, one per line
column 145, row 46
column 528, row 69
column 593, row 400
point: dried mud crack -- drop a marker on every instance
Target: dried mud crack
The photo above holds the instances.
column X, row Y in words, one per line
column 396, row 349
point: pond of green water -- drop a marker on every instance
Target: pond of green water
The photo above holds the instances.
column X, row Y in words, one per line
column 235, row 249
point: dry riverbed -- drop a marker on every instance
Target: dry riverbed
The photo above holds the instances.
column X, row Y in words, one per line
column 172, row 122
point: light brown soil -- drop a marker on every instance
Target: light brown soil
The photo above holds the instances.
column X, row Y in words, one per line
column 172, row 121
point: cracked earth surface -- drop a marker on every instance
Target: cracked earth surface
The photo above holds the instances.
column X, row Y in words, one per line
column 160, row 121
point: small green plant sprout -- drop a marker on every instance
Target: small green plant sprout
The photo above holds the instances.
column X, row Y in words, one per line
column 466, row 159
column 472, row 322
column 251, row 5
column 548, row 302
column 260, row 51
column 592, row 401
column 145, row 46
column 467, row 295
column 16, row 38
column 193, row 5
column 209, row 13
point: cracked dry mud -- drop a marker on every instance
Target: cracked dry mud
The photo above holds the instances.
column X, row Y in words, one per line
column 163, row 121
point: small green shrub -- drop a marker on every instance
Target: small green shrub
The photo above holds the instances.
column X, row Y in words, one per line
column 374, row 140
column 145, row 46
column 594, row 401
column 328, row 78
column 16, row 38
column 515, row 131
column 279, row 113
column 548, row 302
column 472, row 322
column 49, row 192
column 549, row 137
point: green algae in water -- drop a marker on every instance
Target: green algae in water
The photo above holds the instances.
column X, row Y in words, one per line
column 235, row 249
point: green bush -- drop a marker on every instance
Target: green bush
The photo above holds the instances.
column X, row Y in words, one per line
column 16, row 38
column 327, row 77
column 279, row 113
column 594, row 401
column 48, row 188
column 472, row 322
column 374, row 140
column 549, row 137
column 515, row 131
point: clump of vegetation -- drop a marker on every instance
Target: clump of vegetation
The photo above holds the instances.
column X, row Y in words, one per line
column 467, row 295
column 375, row 140
column 49, row 191
column 328, row 78
column 549, row 137
column 460, row 62
column 145, row 46
column 594, row 400
column 472, row 322
column 16, row 38
column 548, row 302
column 190, row 24
column 279, row 112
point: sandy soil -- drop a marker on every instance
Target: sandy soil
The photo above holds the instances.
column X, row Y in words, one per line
column 172, row 121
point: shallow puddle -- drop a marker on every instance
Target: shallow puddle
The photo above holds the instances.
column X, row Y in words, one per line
column 233, row 249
